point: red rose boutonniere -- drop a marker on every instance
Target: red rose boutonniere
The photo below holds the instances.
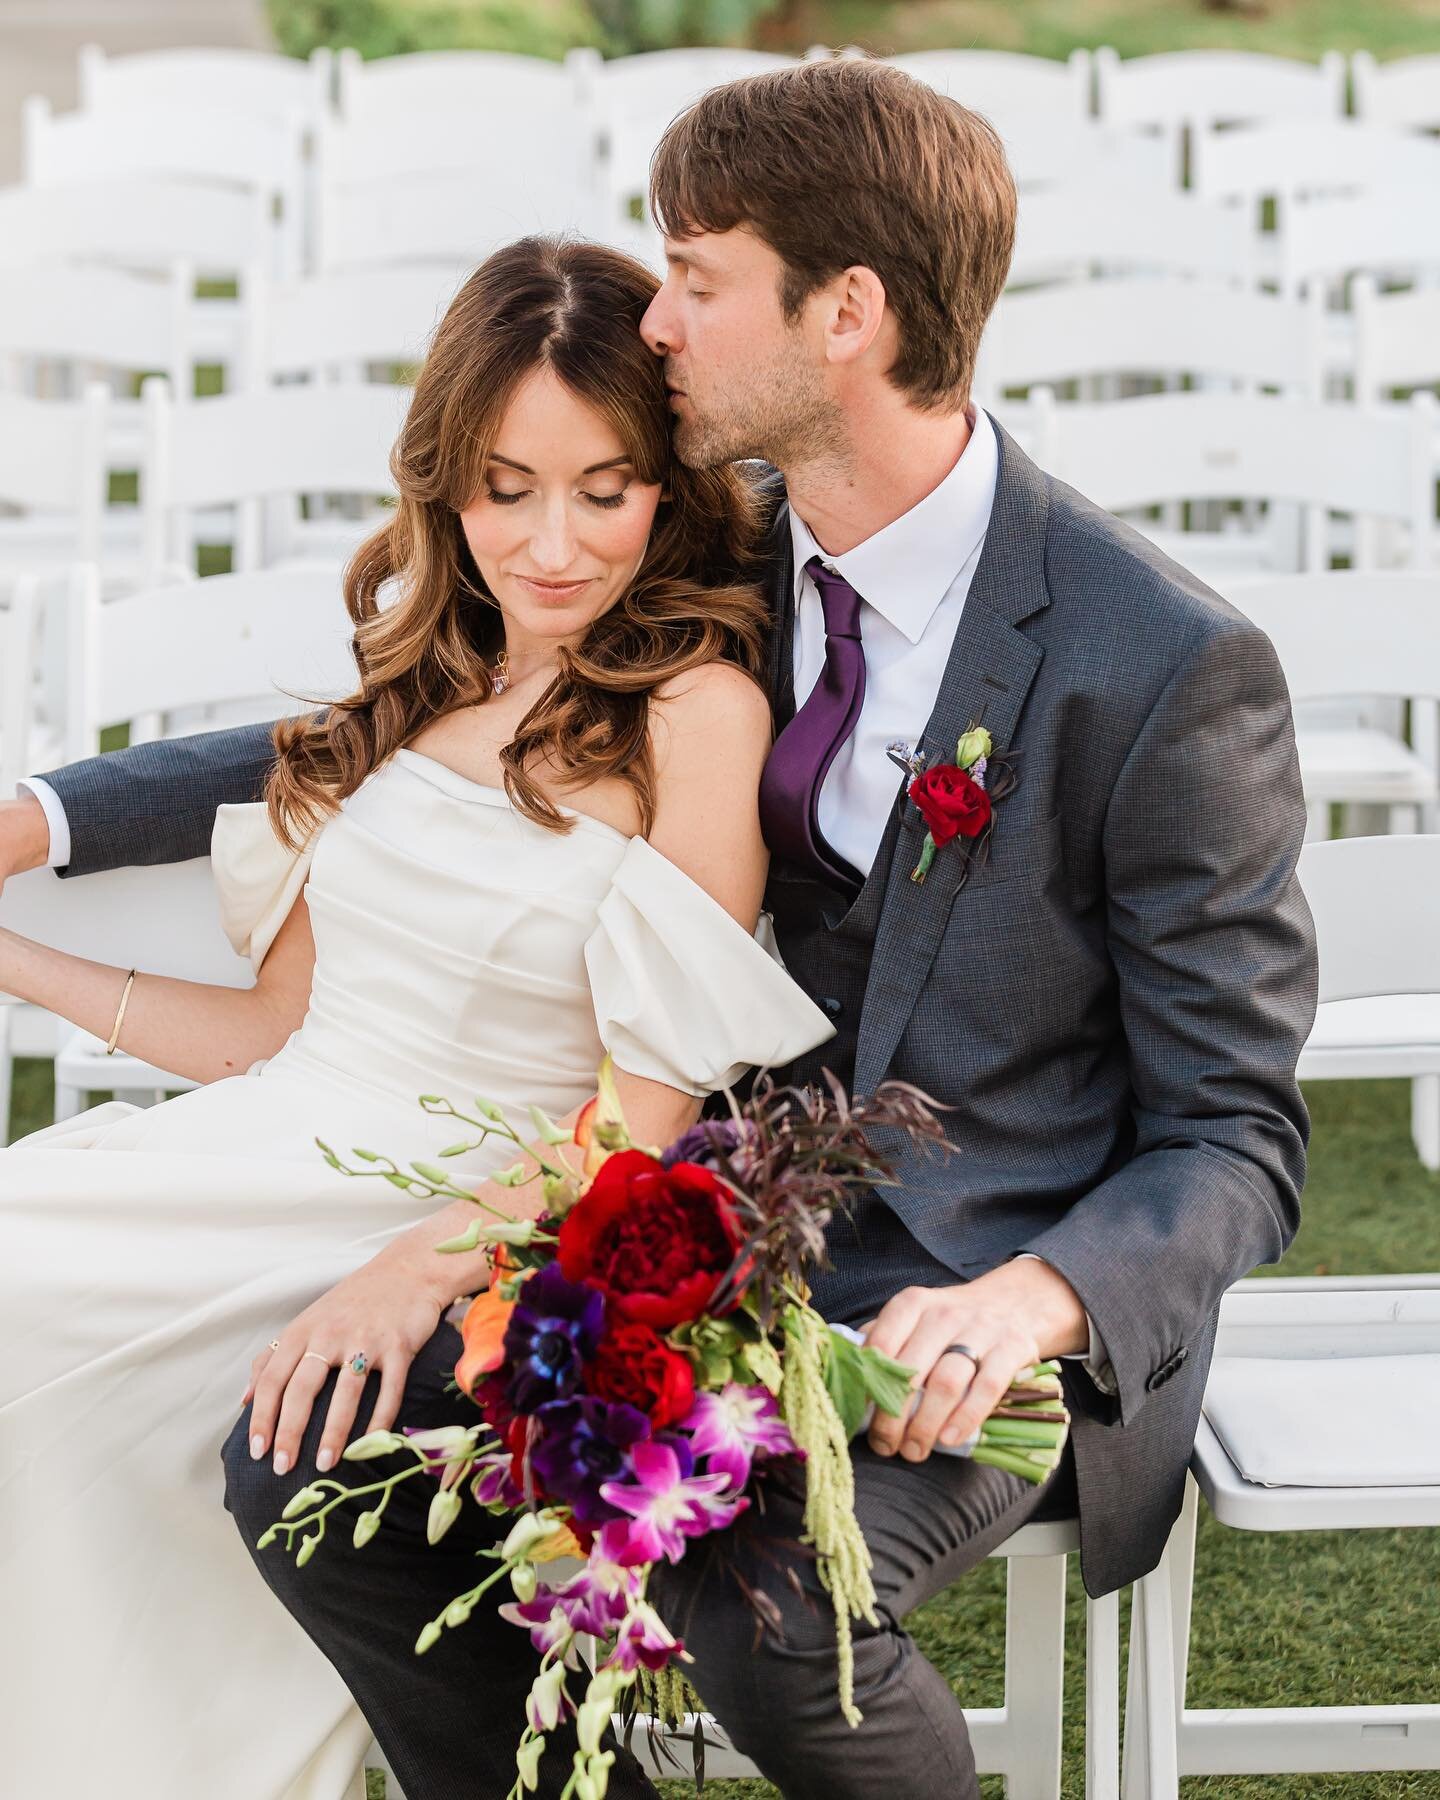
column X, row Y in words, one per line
column 956, row 799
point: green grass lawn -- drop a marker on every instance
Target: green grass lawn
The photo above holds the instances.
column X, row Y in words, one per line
column 1293, row 1620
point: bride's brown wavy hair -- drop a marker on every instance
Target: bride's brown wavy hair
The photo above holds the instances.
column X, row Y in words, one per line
column 574, row 308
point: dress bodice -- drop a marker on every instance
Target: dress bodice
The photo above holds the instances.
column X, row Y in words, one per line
column 461, row 949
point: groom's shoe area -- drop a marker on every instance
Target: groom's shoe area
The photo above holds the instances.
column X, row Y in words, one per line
column 447, row 1720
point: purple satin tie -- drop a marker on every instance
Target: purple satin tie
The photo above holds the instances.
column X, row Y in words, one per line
column 805, row 749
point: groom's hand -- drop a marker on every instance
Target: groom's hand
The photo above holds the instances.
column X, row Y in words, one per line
column 1017, row 1315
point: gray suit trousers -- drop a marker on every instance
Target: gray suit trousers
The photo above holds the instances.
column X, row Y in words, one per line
column 449, row 1721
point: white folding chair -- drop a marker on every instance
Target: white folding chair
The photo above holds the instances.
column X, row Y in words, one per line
column 19, row 615
column 57, row 318
column 145, row 223
column 217, row 146
column 52, row 473
column 1404, row 92
column 334, row 327
column 1164, row 328
column 1269, row 1409
column 1397, row 338
column 1002, row 84
column 1355, row 635
column 1080, row 229
column 1373, row 901
column 454, row 82
column 260, row 645
column 238, row 451
column 1373, row 464
column 257, row 81
column 1184, row 93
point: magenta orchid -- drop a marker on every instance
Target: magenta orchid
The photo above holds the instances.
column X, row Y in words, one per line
column 666, row 1507
column 643, row 1638
column 731, row 1428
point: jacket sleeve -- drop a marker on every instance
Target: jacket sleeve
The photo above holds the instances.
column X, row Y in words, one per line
column 156, row 803
column 1214, row 953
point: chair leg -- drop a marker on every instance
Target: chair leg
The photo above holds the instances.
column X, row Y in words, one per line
column 1102, row 1698
column 1425, row 1119
column 1034, row 1674
column 1150, row 1766
column 68, row 1101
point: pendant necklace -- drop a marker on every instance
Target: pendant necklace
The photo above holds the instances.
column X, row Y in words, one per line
column 500, row 673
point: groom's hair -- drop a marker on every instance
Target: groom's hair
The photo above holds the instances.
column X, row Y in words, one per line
column 852, row 162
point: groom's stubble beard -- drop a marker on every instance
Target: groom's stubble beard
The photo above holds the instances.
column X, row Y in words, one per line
column 778, row 412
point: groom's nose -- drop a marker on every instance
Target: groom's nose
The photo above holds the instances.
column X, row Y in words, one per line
column 658, row 328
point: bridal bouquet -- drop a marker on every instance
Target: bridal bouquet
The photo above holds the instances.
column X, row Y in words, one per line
column 645, row 1352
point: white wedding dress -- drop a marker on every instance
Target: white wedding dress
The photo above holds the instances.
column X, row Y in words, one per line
column 145, row 1256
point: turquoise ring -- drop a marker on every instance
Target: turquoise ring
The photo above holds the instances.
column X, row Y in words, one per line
column 358, row 1363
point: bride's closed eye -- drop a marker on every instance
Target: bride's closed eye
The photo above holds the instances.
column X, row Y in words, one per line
column 608, row 501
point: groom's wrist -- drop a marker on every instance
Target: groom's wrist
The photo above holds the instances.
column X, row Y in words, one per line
column 24, row 836
column 1045, row 1300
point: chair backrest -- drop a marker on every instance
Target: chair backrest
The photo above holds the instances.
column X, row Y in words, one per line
column 1373, row 902
column 1342, row 632
column 451, row 217
column 191, row 141
column 1403, row 92
column 1397, row 338
column 369, row 315
column 539, row 146
column 1203, row 88
column 52, row 461
column 667, row 81
column 279, row 639
column 1079, row 228
column 74, row 312
column 139, row 223
column 1134, row 453
column 1392, row 230
column 403, row 90
column 1163, row 326
column 238, row 449
column 1297, row 158
column 18, row 613
column 164, row 920
column 246, row 80
column 1002, row 84
column 1057, row 150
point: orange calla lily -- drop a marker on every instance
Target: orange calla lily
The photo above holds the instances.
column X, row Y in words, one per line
column 483, row 1333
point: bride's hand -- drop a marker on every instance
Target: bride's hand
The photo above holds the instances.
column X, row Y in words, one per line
column 387, row 1311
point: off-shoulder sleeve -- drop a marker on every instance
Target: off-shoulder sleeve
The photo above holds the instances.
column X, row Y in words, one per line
column 683, row 994
column 256, row 877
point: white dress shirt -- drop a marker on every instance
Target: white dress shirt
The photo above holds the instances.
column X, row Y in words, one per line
column 912, row 576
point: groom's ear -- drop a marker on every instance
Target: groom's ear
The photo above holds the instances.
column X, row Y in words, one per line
column 856, row 312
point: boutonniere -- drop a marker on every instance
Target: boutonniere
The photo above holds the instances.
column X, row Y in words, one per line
column 956, row 799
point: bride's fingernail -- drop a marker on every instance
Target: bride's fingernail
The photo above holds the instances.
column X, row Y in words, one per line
column 257, row 1446
column 324, row 1460
column 282, row 1462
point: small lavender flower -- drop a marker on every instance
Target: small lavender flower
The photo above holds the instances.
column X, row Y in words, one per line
column 707, row 1143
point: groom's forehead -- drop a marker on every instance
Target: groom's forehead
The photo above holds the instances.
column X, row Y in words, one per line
column 717, row 252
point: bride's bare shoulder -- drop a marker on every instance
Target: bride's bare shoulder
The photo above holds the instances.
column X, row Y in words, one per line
column 716, row 701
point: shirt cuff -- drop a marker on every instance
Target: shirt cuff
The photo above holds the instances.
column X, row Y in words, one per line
column 1095, row 1359
column 55, row 818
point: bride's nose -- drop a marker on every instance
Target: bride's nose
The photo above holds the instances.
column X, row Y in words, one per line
column 554, row 546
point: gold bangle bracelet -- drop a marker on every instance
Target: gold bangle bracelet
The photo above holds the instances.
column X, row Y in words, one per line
column 120, row 1014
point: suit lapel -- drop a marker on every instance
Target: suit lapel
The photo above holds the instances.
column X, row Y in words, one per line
column 987, row 678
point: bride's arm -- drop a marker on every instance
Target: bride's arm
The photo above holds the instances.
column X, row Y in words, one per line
column 187, row 1027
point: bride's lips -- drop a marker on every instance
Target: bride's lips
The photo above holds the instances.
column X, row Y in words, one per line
column 553, row 590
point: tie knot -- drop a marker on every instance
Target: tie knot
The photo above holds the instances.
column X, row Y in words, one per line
column 840, row 602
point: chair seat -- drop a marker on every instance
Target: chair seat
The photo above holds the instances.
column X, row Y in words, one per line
column 1384, row 1034
column 1362, row 764
column 81, row 1063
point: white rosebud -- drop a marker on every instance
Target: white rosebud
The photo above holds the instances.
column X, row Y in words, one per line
column 973, row 746
column 444, row 1511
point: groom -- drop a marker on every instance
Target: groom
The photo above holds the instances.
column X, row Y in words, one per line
column 1112, row 1000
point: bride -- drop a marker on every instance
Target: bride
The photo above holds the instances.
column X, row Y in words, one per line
column 530, row 837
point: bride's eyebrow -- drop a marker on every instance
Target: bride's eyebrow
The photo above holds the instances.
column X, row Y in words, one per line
column 615, row 462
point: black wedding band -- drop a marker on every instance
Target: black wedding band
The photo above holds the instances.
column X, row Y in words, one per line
column 961, row 1350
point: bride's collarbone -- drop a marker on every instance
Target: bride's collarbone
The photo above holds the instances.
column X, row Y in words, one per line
column 472, row 751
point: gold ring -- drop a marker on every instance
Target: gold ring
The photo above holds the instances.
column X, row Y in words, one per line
column 318, row 1357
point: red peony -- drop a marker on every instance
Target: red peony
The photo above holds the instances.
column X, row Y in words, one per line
column 952, row 802
column 635, row 1366
column 655, row 1241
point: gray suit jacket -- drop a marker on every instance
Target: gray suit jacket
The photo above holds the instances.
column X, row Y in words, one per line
column 1115, row 1002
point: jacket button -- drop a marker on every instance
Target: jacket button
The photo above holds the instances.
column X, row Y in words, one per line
column 1166, row 1370
column 831, row 1006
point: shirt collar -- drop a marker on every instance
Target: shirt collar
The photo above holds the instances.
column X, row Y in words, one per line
column 907, row 567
